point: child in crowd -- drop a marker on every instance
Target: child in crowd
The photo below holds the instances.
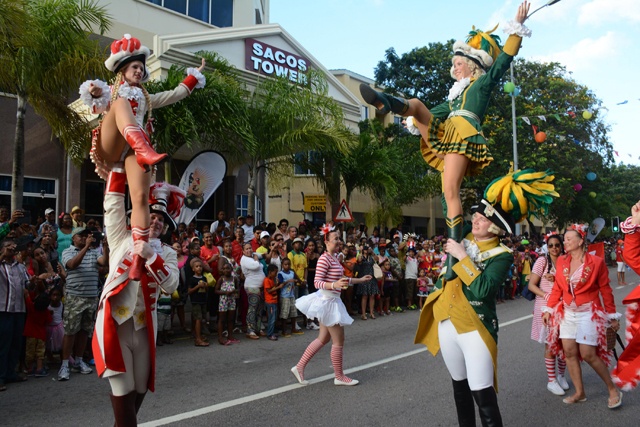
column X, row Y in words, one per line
column 423, row 283
column 271, row 300
column 387, row 286
column 164, row 318
column 198, row 294
column 226, row 288
column 288, row 279
column 35, row 328
column 55, row 329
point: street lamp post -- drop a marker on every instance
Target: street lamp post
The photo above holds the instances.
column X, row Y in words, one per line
column 513, row 107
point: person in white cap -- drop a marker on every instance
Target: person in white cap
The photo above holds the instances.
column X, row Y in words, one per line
column 123, row 107
column 49, row 223
column 126, row 321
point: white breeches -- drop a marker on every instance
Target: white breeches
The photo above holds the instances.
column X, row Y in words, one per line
column 135, row 352
column 466, row 356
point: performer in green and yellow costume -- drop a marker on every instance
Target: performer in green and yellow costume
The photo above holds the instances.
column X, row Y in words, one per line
column 459, row 317
column 452, row 139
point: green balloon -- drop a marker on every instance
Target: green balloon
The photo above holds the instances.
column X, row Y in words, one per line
column 509, row 87
column 592, row 194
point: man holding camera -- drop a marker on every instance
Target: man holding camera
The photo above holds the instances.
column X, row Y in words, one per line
column 50, row 222
column 82, row 261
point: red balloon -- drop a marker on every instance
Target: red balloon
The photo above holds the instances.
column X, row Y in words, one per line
column 540, row 137
column 577, row 187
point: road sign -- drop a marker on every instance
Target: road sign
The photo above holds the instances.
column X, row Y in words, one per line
column 344, row 214
column 315, row 203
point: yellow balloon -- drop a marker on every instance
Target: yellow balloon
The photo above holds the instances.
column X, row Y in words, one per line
column 586, row 114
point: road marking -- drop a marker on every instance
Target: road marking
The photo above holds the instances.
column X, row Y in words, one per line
column 270, row 393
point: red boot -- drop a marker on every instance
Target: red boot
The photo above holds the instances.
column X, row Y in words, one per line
column 138, row 140
column 137, row 268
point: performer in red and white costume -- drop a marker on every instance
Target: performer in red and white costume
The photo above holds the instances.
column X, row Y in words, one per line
column 627, row 374
column 125, row 331
column 123, row 107
column 580, row 318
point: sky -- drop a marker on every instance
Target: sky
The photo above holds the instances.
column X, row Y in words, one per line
column 593, row 39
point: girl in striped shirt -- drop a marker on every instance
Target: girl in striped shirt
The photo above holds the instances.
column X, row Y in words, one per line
column 328, row 308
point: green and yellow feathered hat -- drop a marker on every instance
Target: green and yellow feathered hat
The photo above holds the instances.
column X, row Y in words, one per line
column 481, row 47
column 516, row 196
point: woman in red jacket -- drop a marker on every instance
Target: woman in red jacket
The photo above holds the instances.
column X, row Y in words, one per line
column 579, row 318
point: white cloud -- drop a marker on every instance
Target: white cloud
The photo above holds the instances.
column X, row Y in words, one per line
column 598, row 12
column 588, row 52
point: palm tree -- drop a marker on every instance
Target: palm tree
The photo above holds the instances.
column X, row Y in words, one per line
column 45, row 53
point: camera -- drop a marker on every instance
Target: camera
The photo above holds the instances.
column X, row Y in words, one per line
column 97, row 235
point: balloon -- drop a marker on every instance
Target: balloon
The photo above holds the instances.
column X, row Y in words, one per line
column 591, row 176
column 577, row 187
column 586, row 114
column 509, row 87
column 540, row 137
column 592, row 194
column 516, row 91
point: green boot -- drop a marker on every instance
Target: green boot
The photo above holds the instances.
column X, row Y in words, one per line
column 382, row 101
column 454, row 231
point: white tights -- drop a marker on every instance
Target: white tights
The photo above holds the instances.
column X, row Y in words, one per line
column 466, row 356
column 135, row 352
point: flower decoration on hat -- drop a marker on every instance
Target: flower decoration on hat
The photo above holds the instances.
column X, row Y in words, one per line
column 580, row 228
column 326, row 229
column 481, row 47
column 126, row 50
column 549, row 234
column 406, row 237
column 167, row 200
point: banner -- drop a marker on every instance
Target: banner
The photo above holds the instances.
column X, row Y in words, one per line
column 200, row 180
column 596, row 249
column 594, row 229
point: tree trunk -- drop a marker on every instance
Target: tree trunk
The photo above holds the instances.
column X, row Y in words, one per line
column 17, row 176
column 251, row 190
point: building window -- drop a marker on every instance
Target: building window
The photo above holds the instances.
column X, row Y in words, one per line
column 242, row 204
column 215, row 12
column 303, row 161
column 398, row 120
column 364, row 112
column 38, row 195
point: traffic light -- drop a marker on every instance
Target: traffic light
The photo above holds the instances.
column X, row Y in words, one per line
column 615, row 224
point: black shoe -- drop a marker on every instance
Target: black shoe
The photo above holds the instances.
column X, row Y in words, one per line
column 383, row 102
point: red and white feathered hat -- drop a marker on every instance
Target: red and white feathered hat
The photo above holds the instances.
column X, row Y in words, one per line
column 126, row 50
column 167, row 200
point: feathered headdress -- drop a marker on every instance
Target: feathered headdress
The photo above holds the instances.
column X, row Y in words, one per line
column 580, row 228
column 516, row 196
column 481, row 47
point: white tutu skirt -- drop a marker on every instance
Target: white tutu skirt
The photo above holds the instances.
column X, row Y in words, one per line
column 326, row 306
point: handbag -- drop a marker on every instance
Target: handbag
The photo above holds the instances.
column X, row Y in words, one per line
column 527, row 294
column 377, row 272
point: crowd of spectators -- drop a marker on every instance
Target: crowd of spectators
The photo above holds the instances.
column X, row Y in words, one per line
column 236, row 278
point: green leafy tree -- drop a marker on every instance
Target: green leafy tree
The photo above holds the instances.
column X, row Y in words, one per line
column 44, row 56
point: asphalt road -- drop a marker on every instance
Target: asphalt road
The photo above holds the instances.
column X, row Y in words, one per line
column 249, row 384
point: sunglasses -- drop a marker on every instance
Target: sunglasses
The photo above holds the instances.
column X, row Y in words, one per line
column 554, row 245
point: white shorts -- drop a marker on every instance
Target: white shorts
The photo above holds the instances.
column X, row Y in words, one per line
column 579, row 326
column 620, row 267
